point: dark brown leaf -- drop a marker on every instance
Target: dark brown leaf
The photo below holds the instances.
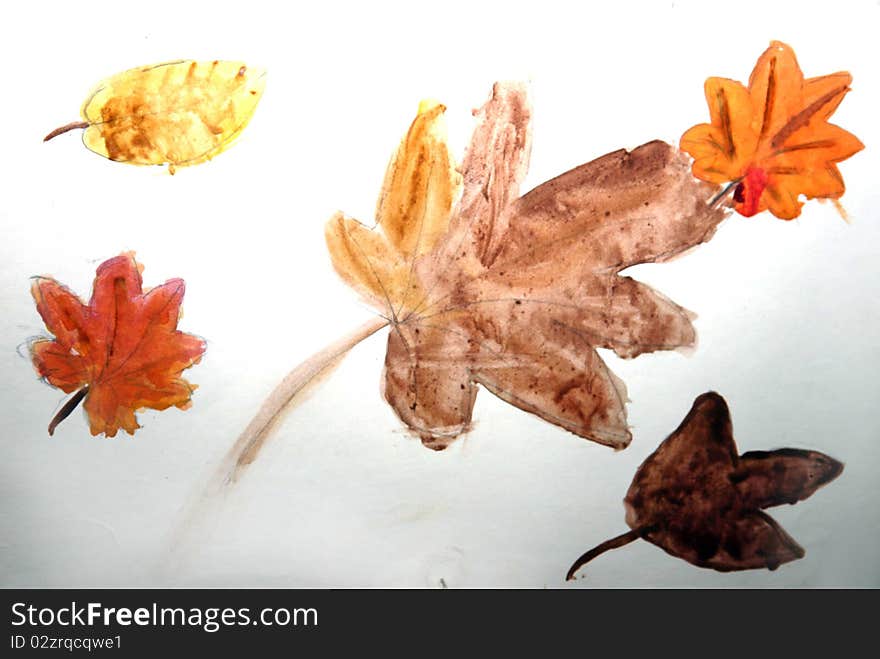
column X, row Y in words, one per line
column 698, row 500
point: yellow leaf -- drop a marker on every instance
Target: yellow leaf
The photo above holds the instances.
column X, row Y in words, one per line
column 420, row 189
column 420, row 185
column 367, row 262
column 179, row 113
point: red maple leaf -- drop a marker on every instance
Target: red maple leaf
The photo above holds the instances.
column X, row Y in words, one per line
column 120, row 352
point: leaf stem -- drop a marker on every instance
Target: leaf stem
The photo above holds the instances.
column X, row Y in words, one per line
column 69, row 407
column 724, row 192
column 613, row 543
column 249, row 443
column 73, row 125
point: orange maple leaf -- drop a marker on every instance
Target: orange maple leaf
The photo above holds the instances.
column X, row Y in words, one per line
column 772, row 140
column 120, row 352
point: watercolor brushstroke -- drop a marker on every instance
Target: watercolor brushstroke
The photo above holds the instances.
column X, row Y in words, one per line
column 285, row 397
column 176, row 113
column 696, row 499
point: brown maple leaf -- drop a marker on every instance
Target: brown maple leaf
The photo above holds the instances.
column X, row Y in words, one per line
column 695, row 498
column 516, row 293
column 120, row 352
column 772, row 139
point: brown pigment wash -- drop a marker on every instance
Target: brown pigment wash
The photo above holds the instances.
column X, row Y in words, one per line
column 698, row 500
column 482, row 286
column 518, row 292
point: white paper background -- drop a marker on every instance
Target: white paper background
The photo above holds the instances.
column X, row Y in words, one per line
column 341, row 496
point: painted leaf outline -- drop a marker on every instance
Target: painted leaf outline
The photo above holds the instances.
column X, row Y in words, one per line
column 697, row 499
column 519, row 292
column 122, row 350
column 177, row 113
column 772, row 139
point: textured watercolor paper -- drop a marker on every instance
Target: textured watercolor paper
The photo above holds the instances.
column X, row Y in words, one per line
column 779, row 316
